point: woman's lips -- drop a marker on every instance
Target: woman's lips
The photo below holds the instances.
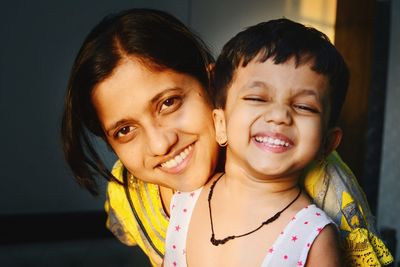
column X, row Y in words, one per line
column 179, row 162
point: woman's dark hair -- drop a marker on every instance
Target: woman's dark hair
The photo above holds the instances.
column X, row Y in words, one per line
column 281, row 40
column 155, row 38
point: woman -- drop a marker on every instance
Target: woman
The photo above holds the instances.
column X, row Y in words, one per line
column 141, row 83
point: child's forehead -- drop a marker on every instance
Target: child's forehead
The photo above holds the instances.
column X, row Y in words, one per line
column 292, row 73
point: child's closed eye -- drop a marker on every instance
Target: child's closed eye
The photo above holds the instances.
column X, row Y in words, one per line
column 256, row 98
column 305, row 108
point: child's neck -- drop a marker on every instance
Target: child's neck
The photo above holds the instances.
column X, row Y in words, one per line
column 238, row 182
column 253, row 193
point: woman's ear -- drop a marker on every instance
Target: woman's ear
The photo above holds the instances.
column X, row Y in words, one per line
column 334, row 137
column 210, row 67
column 210, row 71
column 220, row 127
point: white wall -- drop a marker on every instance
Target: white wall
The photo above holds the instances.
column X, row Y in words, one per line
column 389, row 200
column 218, row 21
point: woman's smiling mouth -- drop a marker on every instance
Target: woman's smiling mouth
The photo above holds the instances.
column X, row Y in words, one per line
column 178, row 163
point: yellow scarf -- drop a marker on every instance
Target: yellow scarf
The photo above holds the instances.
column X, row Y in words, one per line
column 334, row 188
column 138, row 219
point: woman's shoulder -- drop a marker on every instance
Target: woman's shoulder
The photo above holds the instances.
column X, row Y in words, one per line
column 135, row 213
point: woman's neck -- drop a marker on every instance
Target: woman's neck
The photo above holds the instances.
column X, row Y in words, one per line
column 166, row 195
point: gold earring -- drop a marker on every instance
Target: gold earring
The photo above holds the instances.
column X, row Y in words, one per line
column 222, row 140
column 224, row 144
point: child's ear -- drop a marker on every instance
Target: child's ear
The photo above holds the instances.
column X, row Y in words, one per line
column 220, row 127
column 333, row 139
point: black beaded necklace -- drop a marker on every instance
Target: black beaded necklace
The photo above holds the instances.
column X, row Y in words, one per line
column 217, row 242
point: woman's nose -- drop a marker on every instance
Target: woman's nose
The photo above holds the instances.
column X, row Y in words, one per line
column 279, row 114
column 160, row 140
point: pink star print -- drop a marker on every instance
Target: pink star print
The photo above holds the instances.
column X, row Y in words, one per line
column 285, row 257
column 299, row 263
column 294, row 238
column 173, row 246
column 306, row 222
column 177, row 228
column 192, row 194
column 184, row 210
column 318, row 214
column 319, row 229
column 270, row 250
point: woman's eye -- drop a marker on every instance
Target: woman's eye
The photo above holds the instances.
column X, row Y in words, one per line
column 170, row 103
column 124, row 131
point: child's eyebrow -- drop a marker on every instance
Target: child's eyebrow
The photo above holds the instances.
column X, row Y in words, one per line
column 306, row 92
column 256, row 85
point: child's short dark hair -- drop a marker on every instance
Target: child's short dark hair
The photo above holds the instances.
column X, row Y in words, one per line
column 281, row 40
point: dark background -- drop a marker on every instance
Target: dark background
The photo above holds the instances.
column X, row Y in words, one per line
column 47, row 220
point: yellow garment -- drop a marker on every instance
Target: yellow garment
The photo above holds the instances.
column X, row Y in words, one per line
column 334, row 188
column 145, row 224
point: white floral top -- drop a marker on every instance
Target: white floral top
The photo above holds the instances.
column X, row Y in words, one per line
column 290, row 249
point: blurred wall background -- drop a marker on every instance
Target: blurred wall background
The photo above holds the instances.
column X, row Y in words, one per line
column 389, row 200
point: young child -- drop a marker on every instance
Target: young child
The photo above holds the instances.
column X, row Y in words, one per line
column 279, row 90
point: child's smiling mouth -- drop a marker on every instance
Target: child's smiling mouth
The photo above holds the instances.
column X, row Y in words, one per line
column 273, row 142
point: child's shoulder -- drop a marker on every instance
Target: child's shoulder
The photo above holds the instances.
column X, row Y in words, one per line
column 313, row 213
column 308, row 223
column 324, row 250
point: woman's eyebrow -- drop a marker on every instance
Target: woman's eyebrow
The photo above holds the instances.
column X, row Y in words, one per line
column 153, row 101
column 160, row 95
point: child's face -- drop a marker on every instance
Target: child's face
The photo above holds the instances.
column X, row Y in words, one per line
column 274, row 118
column 159, row 123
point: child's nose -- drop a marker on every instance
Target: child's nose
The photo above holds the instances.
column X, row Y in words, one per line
column 279, row 114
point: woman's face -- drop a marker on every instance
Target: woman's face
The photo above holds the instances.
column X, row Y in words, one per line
column 159, row 123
